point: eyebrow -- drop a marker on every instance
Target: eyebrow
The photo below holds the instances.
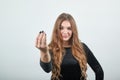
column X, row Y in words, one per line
column 65, row 26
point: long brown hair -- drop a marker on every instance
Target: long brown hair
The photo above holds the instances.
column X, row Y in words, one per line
column 57, row 50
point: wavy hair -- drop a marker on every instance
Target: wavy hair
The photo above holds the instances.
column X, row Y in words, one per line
column 57, row 51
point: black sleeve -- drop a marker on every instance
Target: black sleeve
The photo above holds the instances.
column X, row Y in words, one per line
column 47, row 67
column 93, row 63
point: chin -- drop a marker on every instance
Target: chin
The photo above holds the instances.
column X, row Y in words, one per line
column 66, row 40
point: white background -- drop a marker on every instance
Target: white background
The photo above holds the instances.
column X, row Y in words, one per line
column 98, row 24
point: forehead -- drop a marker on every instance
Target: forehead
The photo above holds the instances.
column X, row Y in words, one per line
column 65, row 23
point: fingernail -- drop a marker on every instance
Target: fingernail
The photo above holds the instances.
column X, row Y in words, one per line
column 40, row 32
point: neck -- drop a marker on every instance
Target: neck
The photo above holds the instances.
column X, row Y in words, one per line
column 66, row 44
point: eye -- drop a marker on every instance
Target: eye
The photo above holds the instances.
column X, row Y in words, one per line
column 61, row 27
column 69, row 28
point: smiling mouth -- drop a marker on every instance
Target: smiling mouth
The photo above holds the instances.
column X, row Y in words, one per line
column 65, row 36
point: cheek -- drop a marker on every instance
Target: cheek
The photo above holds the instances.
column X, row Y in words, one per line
column 70, row 33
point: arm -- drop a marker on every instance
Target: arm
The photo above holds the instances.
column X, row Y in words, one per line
column 94, row 64
column 47, row 67
column 45, row 61
column 45, row 58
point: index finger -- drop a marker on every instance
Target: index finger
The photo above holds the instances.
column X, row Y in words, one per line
column 37, row 38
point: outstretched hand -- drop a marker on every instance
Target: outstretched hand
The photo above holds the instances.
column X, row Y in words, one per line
column 41, row 41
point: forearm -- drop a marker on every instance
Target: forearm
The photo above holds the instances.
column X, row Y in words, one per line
column 45, row 56
column 99, row 73
column 45, row 61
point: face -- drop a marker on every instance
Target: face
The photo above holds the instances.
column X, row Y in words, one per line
column 66, row 30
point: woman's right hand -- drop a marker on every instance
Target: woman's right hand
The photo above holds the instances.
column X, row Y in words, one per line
column 42, row 46
column 41, row 42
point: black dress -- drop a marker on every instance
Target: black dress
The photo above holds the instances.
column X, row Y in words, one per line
column 70, row 69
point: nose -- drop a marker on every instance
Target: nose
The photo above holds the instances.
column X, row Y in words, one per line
column 65, row 31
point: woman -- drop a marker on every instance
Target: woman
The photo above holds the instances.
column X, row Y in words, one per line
column 66, row 56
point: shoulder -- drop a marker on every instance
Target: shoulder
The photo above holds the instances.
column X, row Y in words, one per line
column 84, row 44
column 85, row 47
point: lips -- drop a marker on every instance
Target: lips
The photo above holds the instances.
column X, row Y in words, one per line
column 65, row 36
